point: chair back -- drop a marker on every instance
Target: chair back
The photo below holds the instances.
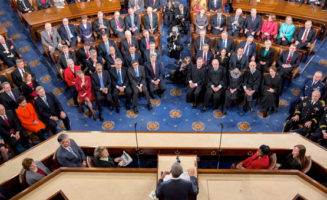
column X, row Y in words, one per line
column 22, row 178
column 272, row 161
column 307, row 165
column 89, row 161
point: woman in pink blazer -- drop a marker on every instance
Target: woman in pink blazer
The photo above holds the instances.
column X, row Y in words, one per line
column 269, row 28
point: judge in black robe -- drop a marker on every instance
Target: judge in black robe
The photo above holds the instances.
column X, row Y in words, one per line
column 234, row 92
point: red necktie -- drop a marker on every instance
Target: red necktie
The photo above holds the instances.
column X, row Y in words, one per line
column 87, row 55
column 154, row 69
column 289, row 59
column 129, row 43
column 147, row 44
column 118, row 23
column 51, row 37
column 7, row 122
column 153, row 2
column 305, row 36
column 113, row 57
column 43, row 2
column 205, row 59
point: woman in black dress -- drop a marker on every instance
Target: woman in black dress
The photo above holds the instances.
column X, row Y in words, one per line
column 103, row 159
column 223, row 59
column 265, row 57
column 233, row 94
column 271, row 90
column 294, row 160
column 28, row 87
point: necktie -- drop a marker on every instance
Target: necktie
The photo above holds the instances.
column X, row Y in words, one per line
column 120, row 80
column 66, row 56
column 12, row 131
column 313, row 83
column 71, row 151
column 113, row 58
column 147, row 44
column 204, row 58
column 304, row 38
column 153, row 1
column 137, row 73
column 12, row 96
column 215, row 3
column 51, row 37
column 43, row 2
column 253, row 20
column 246, row 49
column 23, row 4
column 45, row 101
column 132, row 20
column 289, row 59
column 129, row 43
column 117, row 21
column 133, row 56
column 201, row 43
column 224, row 43
column 236, row 18
column 87, row 55
column 136, row 5
column 101, row 81
column 239, row 57
column 150, row 17
column 218, row 18
column 107, row 47
column 154, row 69
column 22, row 73
column 68, row 33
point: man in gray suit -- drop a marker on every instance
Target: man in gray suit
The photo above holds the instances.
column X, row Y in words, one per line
column 150, row 21
column 35, row 170
column 50, row 38
column 137, row 5
column 69, row 154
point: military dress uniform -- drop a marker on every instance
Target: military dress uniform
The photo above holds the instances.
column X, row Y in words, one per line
column 317, row 135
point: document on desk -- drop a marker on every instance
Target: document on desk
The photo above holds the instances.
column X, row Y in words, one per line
column 184, row 176
column 126, row 158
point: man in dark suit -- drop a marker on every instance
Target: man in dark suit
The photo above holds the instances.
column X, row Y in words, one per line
column 224, row 43
column 18, row 74
column 117, row 25
column 182, row 15
column 137, row 77
column 120, row 84
column 155, row 76
column 249, row 46
column 3, row 79
column 83, row 53
column 152, row 49
column 92, row 62
column 287, row 61
column 101, row 86
column 68, row 33
column 111, row 59
column 145, row 41
column 218, row 22
column 43, row 4
column 50, row 110
column 127, row 42
column 9, row 97
column 251, row 85
column 63, row 57
column 239, row 60
column 252, row 24
column 305, row 36
column 24, row 6
column 10, row 129
column 150, row 21
column 235, row 23
column 201, row 40
column 177, row 188
column 132, row 22
column 215, row 5
column 69, row 154
column 206, row 55
column 154, row 4
column 101, row 26
column 104, row 47
column 196, row 80
column 131, row 56
column 7, row 52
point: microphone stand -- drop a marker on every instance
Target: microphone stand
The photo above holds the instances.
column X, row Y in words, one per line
column 137, row 146
column 219, row 147
column 177, row 159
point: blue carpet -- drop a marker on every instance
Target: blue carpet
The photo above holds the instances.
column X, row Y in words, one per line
column 170, row 113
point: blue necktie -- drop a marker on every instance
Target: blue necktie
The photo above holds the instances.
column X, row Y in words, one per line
column 246, row 50
column 224, row 43
column 107, row 48
column 101, row 81
column 137, row 73
column 120, row 81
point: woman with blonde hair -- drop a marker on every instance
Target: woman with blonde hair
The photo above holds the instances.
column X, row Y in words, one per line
column 197, row 5
column 28, row 86
column 294, row 160
column 102, row 158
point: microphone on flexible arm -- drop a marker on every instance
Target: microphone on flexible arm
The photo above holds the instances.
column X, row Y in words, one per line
column 177, row 159
column 137, row 146
column 219, row 147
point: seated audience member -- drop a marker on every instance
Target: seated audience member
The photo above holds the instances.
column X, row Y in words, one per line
column 70, row 78
column 181, row 16
column 91, row 62
column 201, row 21
column 102, row 158
column 63, row 57
column 28, row 87
column 4, row 155
column 117, row 25
column 320, row 134
column 101, row 26
column 150, row 21
column 3, row 79
column 120, row 84
column 206, row 55
column 234, row 91
column 218, row 22
column 68, row 33
column 155, row 76
column 216, row 83
column 269, row 28
column 197, row 5
column 137, row 77
column 127, row 42
column 18, row 74
column 35, row 170
column 294, row 160
column 201, row 40
column 286, row 32
column 83, row 87
column 316, row 2
column 85, row 30
column 223, row 59
column 179, row 75
column 155, row 5
column 145, row 41
column 307, row 112
column 265, row 57
column 24, row 6
column 9, row 96
column 43, row 4
column 249, row 46
column 11, row 131
column 104, row 48
column 7, row 52
column 305, row 36
column 137, row 5
column 239, row 60
column 29, row 119
column 69, row 154
column 271, row 90
column 252, row 24
column 287, row 61
column 131, row 56
column 59, row 3
column 176, row 187
column 259, row 160
column 174, row 43
column 151, row 50
column 50, row 38
column 101, row 86
column 111, row 59
column 224, row 43
column 50, row 110
column 235, row 23
column 83, row 54
column 168, row 14
column 251, row 85
column 132, row 22
column 196, row 82
column 215, row 5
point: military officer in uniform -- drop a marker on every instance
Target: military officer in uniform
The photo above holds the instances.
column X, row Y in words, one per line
column 321, row 132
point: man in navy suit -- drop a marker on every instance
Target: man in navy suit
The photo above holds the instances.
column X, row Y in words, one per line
column 224, row 43
column 214, row 5
column 150, row 21
column 111, row 59
column 62, row 59
column 7, row 52
column 154, row 4
column 18, row 74
column 305, row 36
column 201, row 40
column 117, row 25
column 252, row 24
column 131, row 56
column 287, row 61
column 68, row 33
column 127, row 42
column 177, row 188
column 239, row 60
column 155, row 76
column 250, row 47
column 152, row 49
column 101, row 26
column 50, row 110
column 218, row 22
column 206, row 55
column 9, row 97
column 104, row 47
column 235, row 23
column 145, row 41
column 69, row 154
column 132, row 22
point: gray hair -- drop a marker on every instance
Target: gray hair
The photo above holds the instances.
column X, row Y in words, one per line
column 38, row 88
column 153, row 54
column 118, row 60
column 176, row 170
column 69, row 61
column 4, row 84
column 61, row 137
column 19, row 61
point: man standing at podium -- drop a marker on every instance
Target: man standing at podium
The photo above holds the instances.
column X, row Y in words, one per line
column 177, row 188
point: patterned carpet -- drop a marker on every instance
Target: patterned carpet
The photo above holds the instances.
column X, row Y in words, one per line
column 171, row 113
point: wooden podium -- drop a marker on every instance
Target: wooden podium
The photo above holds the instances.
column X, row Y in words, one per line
column 166, row 161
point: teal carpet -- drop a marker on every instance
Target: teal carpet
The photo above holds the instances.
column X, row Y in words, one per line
column 170, row 113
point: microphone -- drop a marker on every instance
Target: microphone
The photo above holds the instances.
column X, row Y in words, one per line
column 137, row 146
column 221, row 125
column 177, row 159
column 219, row 147
column 135, row 124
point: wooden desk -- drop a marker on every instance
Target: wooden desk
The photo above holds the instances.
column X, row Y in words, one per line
column 72, row 11
column 3, row 30
column 166, row 161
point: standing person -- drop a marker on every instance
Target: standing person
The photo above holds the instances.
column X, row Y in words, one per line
column 174, row 44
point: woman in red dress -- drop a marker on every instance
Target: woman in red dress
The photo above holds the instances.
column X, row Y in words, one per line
column 269, row 28
column 84, row 88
